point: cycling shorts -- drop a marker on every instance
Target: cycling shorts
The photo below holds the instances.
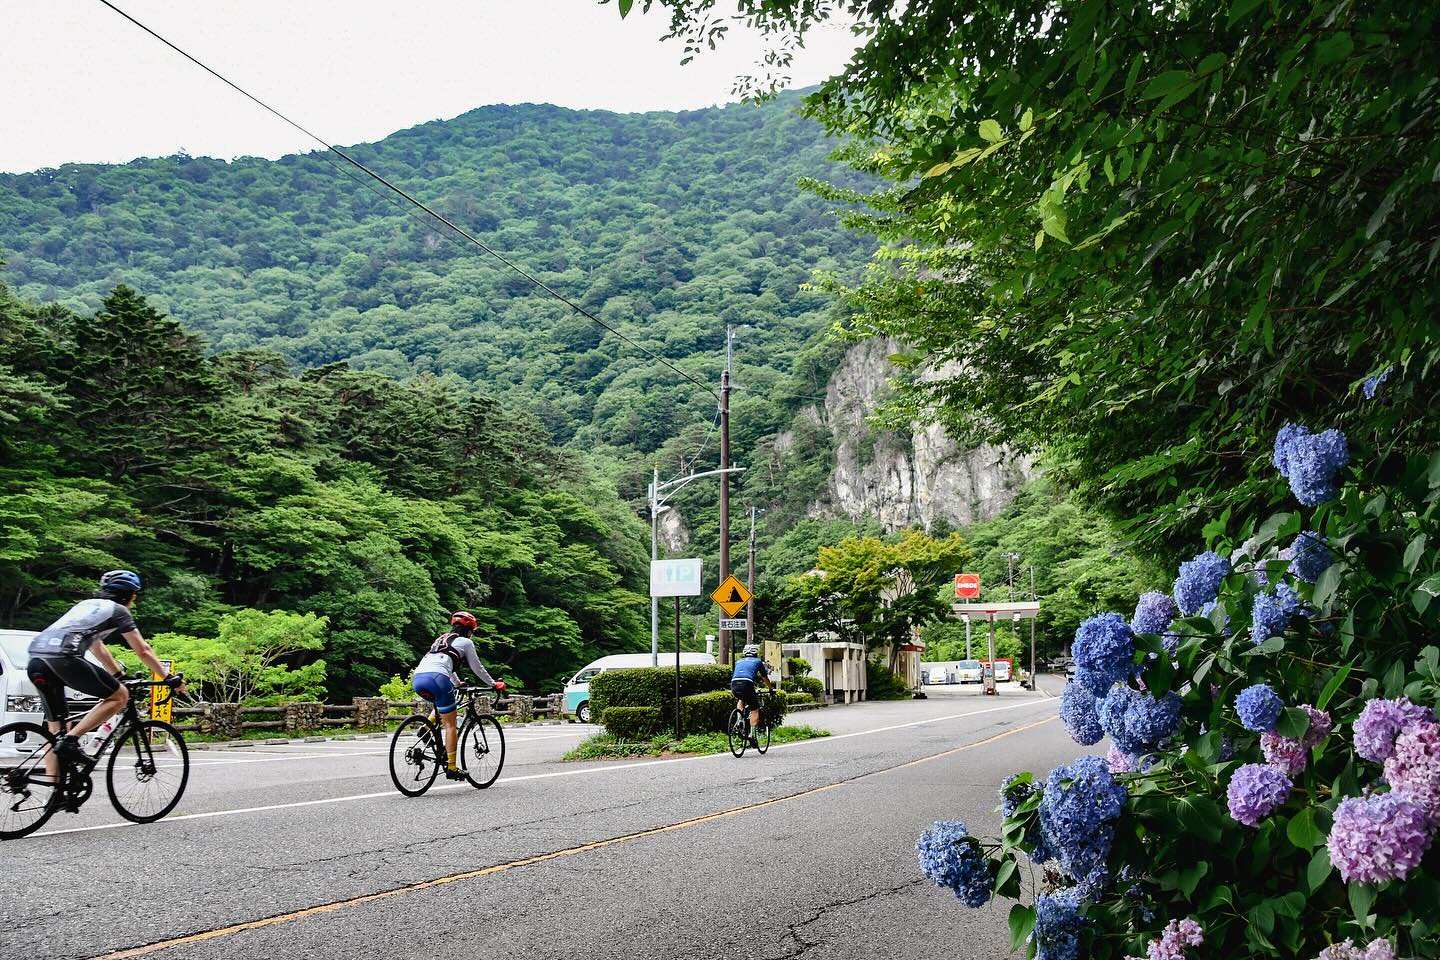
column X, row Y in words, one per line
column 438, row 688
column 51, row 675
column 746, row 693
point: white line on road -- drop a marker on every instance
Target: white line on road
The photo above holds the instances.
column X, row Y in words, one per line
column 586, row 771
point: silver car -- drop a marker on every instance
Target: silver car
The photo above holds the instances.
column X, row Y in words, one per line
column 19, row 700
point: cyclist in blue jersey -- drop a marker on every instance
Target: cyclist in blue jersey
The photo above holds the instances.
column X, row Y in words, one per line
column 748, row 670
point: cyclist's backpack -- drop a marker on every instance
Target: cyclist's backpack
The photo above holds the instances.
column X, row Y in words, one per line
column 445, row 643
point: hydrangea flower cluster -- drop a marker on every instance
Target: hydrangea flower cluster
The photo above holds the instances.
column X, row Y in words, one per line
column 951, row 858
column 1259, row 707
column 1104, row 651
column 1137, row 722
column 1372, row 384
column 1058, row 922
column 1310, row 462
column 1309, row 555
column 1346, row 950
column 1414, row 769
column 1177, row 935
column 1290, row 755
column 1080, row 802
column 1272, row 611
column 1378, row 838
column 1382, row 721
column 1121, row 762
column 1255, row 791
column 1078, row 713
column 1199, row 581
column 1154, row 613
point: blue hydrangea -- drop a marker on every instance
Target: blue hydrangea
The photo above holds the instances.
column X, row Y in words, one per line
column 1078, row 713
column 951, row 858
column 1271, row 612
column 1309, row 556
column 1058, row 922
column 1259, row 707
column 1154, row 613
column 1136, row 722
column 1373, row 384
column 1014, row 792
column 1104, row 652
column 1310, row 461
column 1199, row 581
column 1081, row 801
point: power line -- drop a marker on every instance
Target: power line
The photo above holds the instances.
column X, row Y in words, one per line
column 460, row 231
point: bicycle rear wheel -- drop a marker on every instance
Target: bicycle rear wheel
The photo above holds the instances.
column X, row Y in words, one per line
column 148, row 770
column 416, row 756
column 28, row 794
column 736, row 732
column 482, row 750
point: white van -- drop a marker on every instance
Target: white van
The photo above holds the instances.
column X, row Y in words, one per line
column 577, row 691
column 19, row 700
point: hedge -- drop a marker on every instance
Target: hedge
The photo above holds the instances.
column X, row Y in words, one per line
column 796, row 699
column 707, row 712
column 810, row 685
column 653, row 687
column 632, row 723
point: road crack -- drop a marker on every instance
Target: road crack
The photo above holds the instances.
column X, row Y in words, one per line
column 793, row 930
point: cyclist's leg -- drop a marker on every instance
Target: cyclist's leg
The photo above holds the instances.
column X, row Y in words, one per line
column 80, row 674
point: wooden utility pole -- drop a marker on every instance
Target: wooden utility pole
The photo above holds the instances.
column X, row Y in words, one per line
column 725, row 483
column 750, row 583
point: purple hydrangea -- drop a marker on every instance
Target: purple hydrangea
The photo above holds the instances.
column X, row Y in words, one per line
column 1058, row 922
column 1080, row 802
column 1310, row 462
column 1137, row 722
column 1199, row 581
column 1382, row 721
column 1259, row 707
column 1255, row 791
column 1121, row 762
column 1378, row 838
column 1154, row 613
column 1346, row 950
column 1414, row 769
column 1104, row 651
column 1272, row 611
column 1177, row 935
column 1372, row 384
column 1077, row 712
column 1309, row 555
column 951, row 858
column 1290, row 755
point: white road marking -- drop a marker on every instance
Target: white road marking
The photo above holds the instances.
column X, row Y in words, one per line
column 586, row 771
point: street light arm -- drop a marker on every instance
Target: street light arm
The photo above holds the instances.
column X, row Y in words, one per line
column 673, row 486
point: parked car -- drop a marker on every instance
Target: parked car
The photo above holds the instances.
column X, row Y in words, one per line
column 938, row 675
column 970, row 671
column 577, row 691
column 1002, row 671
column 19, row 700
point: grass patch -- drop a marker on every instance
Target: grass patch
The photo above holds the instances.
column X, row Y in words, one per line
column 192, row 736
column 603, row 746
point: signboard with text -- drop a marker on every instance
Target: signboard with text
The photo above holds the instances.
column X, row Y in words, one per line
column 158, row 710
column 675, row 578
column 967, row 585
column 727, row 623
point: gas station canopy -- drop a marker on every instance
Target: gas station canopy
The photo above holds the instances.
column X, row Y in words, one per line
column 1019, row 610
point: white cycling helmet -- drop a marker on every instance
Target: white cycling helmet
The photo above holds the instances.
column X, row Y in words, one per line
column 751, row 650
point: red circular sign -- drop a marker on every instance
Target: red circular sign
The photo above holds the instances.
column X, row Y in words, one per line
column 967, row 585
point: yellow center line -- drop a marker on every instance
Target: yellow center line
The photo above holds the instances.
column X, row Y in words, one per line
column 324, row 908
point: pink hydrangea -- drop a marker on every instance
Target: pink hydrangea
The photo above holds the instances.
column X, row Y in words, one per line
column 1378, row 838
column 1382, row 721
column 1177, row 935
column 1414, row 770
column 1291, row 755
column 1119, row 761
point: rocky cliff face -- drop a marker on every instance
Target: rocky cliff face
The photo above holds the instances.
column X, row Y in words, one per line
column 903, row 480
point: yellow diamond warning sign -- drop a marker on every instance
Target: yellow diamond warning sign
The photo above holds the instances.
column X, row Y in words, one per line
column 731, row 595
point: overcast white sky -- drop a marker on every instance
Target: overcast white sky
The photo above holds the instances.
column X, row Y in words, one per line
column 79, row 83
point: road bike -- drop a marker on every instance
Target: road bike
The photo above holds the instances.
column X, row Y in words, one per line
column 418, row 754
column 737, row 727
column 146, row 775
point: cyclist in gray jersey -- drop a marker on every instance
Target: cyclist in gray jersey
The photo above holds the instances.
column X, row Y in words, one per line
column 436, row 677
column 57, row 659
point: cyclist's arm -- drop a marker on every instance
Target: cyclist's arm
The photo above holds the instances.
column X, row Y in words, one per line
column 106, row 658
column 472, row 660
column 146, row 654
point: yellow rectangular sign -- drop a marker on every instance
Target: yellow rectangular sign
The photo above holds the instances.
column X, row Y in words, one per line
column 158, row 710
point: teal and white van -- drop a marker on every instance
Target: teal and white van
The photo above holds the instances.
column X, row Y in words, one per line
column 577, row 691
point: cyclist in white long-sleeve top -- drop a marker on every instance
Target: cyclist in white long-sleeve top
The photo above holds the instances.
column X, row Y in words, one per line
column 436, row 678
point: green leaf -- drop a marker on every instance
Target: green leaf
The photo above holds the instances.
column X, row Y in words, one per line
column 1166, row 83
column 1293, row 723
column 625, row 6
column 1241, row 9
column 1362, row 898
column 1329, row 582
column 1319, row 869
column 1263, row 916
column 1003, row 876
column 1302, row 830
column 990, row 131
column 1027, row 120
column 1291, row 905
column 1335, row 47
column 1331, row 685
column 1431, row 586
column 1022, row 922
column 1414, row 552
column 1200, row 816
column 1271, row 645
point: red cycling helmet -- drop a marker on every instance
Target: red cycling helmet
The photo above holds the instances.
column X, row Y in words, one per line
column 461, row 618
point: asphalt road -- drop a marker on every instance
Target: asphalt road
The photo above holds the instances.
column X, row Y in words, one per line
column 306, row 850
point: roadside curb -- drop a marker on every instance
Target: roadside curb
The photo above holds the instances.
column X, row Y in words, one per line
column 282, row 741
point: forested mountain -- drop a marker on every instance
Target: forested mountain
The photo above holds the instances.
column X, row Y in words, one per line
column 668, row 226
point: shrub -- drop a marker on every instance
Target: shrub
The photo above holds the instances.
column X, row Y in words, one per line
column 632, row 723
column 808, row 685
column 797, row 667
column 882, row 683
column 796, row 699
column 398, row 688
column 705, row 712
column 653, row 687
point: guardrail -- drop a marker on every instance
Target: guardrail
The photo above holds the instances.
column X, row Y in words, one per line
column 234, row 719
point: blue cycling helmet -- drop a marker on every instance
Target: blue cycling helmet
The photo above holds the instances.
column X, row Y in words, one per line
column 120, row 580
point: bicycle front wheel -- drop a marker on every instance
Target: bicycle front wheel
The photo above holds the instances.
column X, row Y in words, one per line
column 416, row 755
column 482, row 750
column 762, row 736
column 149, row 767
column 736, row 732
column 29, row 792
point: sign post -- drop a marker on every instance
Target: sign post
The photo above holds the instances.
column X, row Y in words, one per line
column 672, row 578
column 677, row 668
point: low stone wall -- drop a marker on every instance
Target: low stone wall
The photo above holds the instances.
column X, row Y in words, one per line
column 220, row 719
column 305, row 715
column 371, row 711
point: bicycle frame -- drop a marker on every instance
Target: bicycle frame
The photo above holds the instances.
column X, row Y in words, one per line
column 129, row 716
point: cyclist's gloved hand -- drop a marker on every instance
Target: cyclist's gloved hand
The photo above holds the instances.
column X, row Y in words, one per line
column 499, row 684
